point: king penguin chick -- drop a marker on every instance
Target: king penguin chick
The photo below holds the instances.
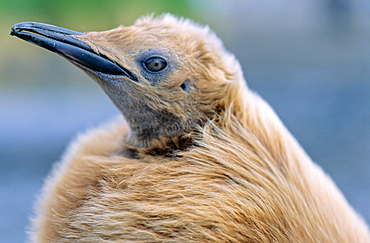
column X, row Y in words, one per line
column 197, row 157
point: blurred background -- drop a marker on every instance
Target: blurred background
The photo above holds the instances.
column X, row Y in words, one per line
column 310, row 59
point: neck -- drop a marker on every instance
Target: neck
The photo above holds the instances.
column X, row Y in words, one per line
column 160, row 145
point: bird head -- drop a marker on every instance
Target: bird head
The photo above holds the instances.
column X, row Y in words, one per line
column 167, row 76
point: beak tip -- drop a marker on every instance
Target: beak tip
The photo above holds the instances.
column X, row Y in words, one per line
column 13, row 31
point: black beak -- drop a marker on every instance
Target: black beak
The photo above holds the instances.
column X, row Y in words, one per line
column 65, row 43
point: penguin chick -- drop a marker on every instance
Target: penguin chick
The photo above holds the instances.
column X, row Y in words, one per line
column 198, row 157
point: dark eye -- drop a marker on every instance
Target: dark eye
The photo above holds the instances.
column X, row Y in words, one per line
column 155, row 64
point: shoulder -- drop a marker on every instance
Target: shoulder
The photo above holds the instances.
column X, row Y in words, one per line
column 103, row 140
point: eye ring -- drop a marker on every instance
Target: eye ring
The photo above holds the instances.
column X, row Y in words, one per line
column 155, row 64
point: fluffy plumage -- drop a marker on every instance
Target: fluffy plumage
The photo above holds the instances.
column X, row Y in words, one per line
column 209, row 163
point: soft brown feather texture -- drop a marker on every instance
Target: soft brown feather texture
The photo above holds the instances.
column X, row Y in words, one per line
column 236, row 176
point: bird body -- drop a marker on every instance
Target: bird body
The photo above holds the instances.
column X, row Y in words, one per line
column 197, row 156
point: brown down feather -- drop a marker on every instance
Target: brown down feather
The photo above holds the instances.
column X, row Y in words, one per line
column 231, row 173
